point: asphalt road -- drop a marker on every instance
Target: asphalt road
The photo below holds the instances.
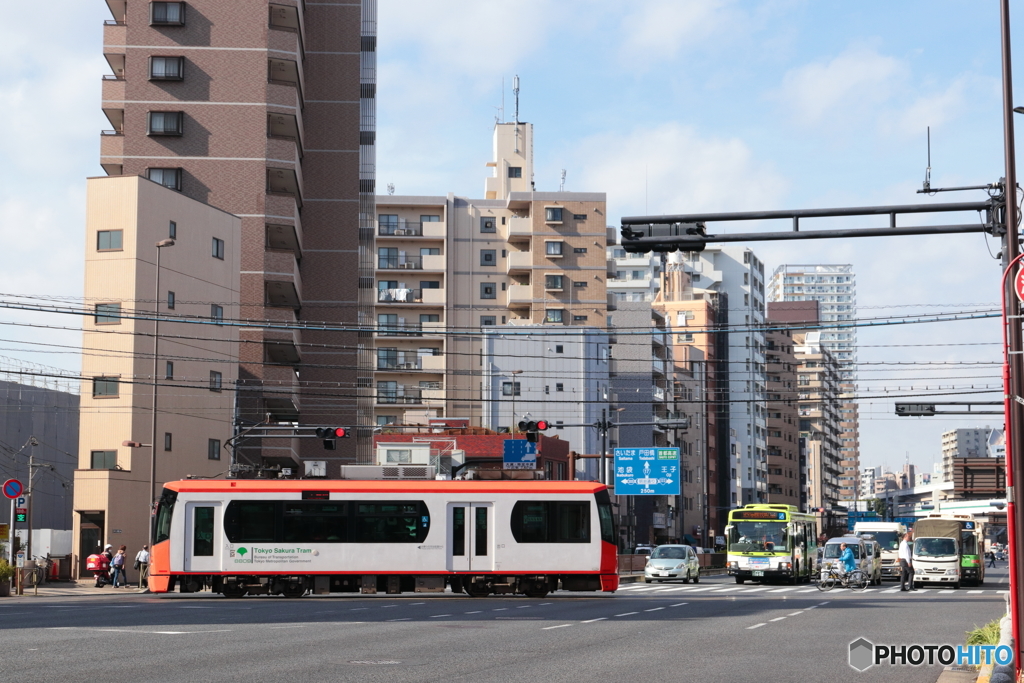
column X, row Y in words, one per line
column 715, row 631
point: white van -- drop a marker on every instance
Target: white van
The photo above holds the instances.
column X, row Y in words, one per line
column 860, row 554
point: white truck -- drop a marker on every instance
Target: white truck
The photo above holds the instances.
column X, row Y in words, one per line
column 888, row 536
column 937, row 551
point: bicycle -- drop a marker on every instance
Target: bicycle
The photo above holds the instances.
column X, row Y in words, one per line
column 856, row 580
column 34, row 576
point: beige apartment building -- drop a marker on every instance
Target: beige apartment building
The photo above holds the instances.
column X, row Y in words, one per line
column 785, row 476
column 197, row 364
column 448, row 266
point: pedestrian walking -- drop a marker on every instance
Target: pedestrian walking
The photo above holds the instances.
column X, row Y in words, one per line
column 117, row 564
column 142, row 566
column 991, row 558
column 906, row 562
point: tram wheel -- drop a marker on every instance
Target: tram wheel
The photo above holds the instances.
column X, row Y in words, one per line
column 477, row 590
column 233, row 590
column 294, row 590
column 536, row 594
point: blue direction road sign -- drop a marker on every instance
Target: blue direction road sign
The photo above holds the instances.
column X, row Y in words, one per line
column 647, row 471
column 12, row 488
column 519, row 454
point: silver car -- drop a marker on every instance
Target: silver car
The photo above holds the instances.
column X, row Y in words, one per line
column 672, row 562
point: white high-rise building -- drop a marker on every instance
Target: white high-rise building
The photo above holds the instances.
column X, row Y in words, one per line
column 834, row 287
column 969, row 442
column 737, row 275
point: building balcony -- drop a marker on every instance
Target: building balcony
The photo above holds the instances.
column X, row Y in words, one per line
column 427, row 297
column 400, row 394
column 399, row 361
column 658, row 366
column 517, row 229
column 519, row 262
column 519, row 296
column 657, row 393
column 429, row 230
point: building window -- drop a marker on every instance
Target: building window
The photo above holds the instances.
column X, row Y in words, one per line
column 430, row 284
column 217, row 312
column 167, row 441
column 579, row 284
column 430, row 219
column 103, row 460
column 105, row 386
column 488, row 257
column 553, row 248
column 579, row 318
column 486, row 320
column 218, row 248
column 216, row 380
column 169, row 370
column 213, row 449
column 170, row 300
column 554, row 315
column 108, row 314
column 510, row 389
column 166, row 122
column 384, row 420
column 398, row 455
column 109, row 240
column 553, row 282
column 559, row 386
column 168, row 177
column 167, row 13
column 166, row 68
column 488, row 290
column 579, row 216
column 559, row 348
column 172, row 230
column 488, row 224
column 553, row 214
column 515, row 171
column 579, row 250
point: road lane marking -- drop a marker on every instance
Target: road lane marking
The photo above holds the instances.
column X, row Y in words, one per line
column 626, row 614
column 679, row 604
column 777, row 619
column 437, row 616
column 654, row 609
column 543, row 603
column 756, row 626
column 474, row 612
column 402, row 619
column 356, row 609
column 591, row 621
column 499, row 609
column 524, row 606
column 793, row 614
column 548, row 628
column 416, row 603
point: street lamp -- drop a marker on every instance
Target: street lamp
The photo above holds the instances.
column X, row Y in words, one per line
column 512, row 391
column 156, row 341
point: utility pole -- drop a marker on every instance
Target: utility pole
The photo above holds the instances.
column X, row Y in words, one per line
column 603, row 426
column 1014, row 372
column 31, row 473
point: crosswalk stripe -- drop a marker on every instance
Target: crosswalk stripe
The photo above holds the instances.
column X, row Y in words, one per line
column 726, row 590
column 782, row 590
column 807, row 590
column 975, row 591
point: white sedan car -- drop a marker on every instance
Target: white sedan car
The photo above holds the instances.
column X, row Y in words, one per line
column 672, row 562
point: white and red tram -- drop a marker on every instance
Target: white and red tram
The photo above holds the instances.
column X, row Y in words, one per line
column 291, row 537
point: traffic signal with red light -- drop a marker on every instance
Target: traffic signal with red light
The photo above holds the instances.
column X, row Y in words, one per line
column 331, row 434
column 533, row 428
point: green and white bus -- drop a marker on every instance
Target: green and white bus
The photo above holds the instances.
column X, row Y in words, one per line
column 771, row 542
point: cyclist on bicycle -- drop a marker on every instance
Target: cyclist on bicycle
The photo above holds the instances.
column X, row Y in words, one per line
column 847, row 563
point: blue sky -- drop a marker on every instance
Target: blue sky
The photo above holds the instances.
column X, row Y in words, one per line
column 665, row 105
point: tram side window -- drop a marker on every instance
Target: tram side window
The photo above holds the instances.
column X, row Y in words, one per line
column 314, row 522
column 604, row 513
column 551, row 522
column 250, row 521
column 389, row 522
column 202, row 534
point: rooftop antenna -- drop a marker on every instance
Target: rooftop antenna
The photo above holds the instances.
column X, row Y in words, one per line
column 561, row 187
column 391, row 188
column 928, row 171
column 501, row 109
column 515, row 91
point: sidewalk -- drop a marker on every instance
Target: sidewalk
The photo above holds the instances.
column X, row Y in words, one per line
column 64, row 589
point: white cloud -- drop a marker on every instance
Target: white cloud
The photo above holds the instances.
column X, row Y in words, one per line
column 932, row 110
column 672, row 169
column 658, row 29
column 845, row 88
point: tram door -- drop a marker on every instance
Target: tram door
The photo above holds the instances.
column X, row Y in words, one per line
column 203, row 532
column 470, row 537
